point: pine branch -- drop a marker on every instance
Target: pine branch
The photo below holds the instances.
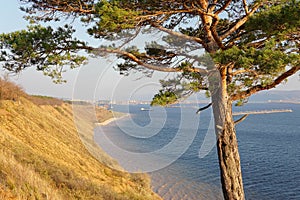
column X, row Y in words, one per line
column 257, row 88
column 223, row 7
column 135, row 59
column 240, row 23
column 241, row 119
column 203, row 108
column 177, row 34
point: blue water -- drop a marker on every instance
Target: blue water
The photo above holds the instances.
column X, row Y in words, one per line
column 268, row 144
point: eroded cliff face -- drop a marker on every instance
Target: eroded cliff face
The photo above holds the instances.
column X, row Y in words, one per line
column 43, row 157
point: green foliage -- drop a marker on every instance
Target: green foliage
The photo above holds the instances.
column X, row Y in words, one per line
column 260, row 65
column 269, row 60
column 179, row 87
column 254, row 46
column 164, row 98
column 110, row 17
column 277, row 20
column 46, row 49
column 262, row 46
column 241, row 102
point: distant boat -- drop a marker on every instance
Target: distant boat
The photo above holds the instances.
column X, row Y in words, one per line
column 146, row 109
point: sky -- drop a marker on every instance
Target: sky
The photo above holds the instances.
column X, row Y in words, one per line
column 95, row 80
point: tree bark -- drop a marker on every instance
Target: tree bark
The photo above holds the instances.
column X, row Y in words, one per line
column 227, row 145
column 229, row 161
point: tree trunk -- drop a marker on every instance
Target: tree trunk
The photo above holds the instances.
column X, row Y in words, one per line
column 229, row 160
column 227, row 146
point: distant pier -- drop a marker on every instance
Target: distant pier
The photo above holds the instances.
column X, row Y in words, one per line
column 261, row 112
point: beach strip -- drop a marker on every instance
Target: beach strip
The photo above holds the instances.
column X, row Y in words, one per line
column 108, row 121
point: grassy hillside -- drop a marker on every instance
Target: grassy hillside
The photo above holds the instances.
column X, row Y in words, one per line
column 42, row 156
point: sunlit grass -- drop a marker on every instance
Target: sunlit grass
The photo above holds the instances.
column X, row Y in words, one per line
column 42, row 157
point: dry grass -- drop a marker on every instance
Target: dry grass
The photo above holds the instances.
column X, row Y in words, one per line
column 9, row 90
column 45, row 100
column 43, row 157
column 23, row 181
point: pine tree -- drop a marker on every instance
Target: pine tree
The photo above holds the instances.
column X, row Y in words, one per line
column 249, row 46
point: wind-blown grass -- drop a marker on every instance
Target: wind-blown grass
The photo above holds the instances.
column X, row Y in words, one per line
column 42, row 157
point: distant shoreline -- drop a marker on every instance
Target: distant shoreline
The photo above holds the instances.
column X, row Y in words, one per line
column 108, row 121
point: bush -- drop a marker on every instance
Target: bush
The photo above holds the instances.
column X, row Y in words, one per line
column 9, row 90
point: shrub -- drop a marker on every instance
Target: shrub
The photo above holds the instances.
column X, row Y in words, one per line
column 10, row 90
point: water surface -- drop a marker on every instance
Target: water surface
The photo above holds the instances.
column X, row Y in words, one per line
column 268, row 144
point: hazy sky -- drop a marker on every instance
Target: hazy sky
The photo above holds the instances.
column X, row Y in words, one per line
column 95, row 80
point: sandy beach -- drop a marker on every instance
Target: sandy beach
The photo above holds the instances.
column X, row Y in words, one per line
column 106, row 122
